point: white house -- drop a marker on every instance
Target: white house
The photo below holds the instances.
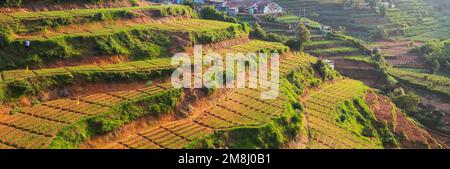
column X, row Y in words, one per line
column 326, row 29
column 254, row 6
column 232, row 11
column 329, row 62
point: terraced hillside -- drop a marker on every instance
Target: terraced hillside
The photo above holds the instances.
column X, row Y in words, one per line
column 361, row 23
column 348, row 59
column 54, row 123
column 99, row 78
column 414, row 19
column 330, row 114
column 239, row 109
column 328, row 127
column 137, row 36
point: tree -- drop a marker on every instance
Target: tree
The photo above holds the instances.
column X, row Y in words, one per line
column 211, row 13
column 258, row 31
column 374, row 3
column 303, row 36
column 407, row 102
column 383, row 10
column 381, row 33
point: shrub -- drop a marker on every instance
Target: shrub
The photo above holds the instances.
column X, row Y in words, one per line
column 5, row 37
column 260, row 33
column 325, row 71
column 134, row 3
column 407, row 102
column 303, row 36
column 211, row 13
column 11, row 3
column 19, row 88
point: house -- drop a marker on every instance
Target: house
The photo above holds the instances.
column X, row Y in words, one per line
column 266, row 6
column 326, row 29
column 232, row 11
column 329, row 63
column 254, row 6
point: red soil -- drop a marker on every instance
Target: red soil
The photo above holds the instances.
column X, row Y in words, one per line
column 413, row 135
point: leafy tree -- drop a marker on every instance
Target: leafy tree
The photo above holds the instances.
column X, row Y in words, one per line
column 407, row 102
column 380, row 33
column 383, row 10
column 436, row 54
column 303, row 35
column 260, row 33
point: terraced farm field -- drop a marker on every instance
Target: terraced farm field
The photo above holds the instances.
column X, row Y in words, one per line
column 148, row 66
column 239, row 108
column 39, row 125
column 175, row 25
column 321, row 112
column 258, row 46
column 76, row 16
column 437, row 83
column 116, row 93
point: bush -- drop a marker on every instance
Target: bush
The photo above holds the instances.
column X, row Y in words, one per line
column 134, row 3
column 259, row 33
column 5, row 37
column 407, row 102
column 211, row 13
column 11, row 3
column 325, row 71
column 19, row 88
column 292, row 44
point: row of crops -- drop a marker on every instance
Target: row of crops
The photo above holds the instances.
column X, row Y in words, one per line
column 240, row 108
column 94, row 14
column 173, row 135
column 37, row 126
column 332, row 48
column 259, row 46
column 437, row 83
column 175, row 25
column 321, row 113
column 133, row 66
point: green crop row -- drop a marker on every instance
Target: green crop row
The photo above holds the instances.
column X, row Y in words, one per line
column 22, row 22
column 18, row 83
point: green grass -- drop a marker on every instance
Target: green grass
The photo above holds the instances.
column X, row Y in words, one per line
column 149, row 65
column 288, row 19
column 335, row 51
column 362, row 58
column 436, row 83
column 260, row 46
column 172, row 9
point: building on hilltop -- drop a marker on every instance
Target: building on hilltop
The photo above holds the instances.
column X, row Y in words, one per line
column 253, row 6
